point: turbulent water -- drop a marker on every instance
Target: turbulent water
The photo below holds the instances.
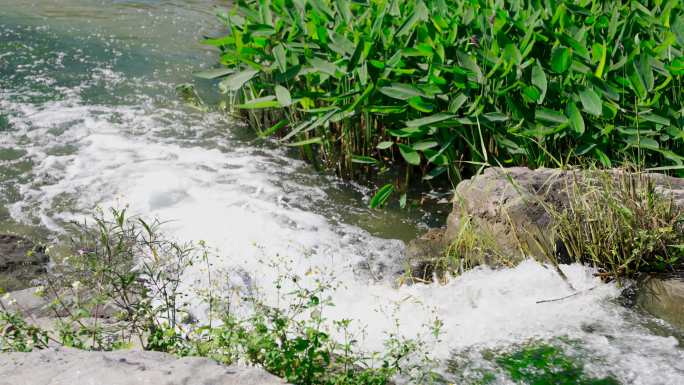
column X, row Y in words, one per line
column 89, row 117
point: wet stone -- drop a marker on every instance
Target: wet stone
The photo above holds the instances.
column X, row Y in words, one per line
column 22, row 262
column 663, row 297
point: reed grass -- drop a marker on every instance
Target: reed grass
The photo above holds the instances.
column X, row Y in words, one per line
column 621, row 224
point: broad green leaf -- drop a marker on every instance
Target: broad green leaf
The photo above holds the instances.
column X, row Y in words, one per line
column 409, row 154
column 539, row 81
column 426, row 121
column 576, row 120
column 591, row 102
column 213, row 73
column 495, row 117
column 671, row 156
column 420, row 13
column 260, row 103
column 385, row 109
column 356, row 56
column 341, row 45
column 602, row 157
column 407, row 132
column 584, row 148
column 402, row 202
column 424, row 145
column 380, row 197
column 280, row 58
column 344, row 10
column 311, row 124
column 651, row 117
column 561, row 59
column 532, row 93
column 635, row 80
column 400, row 91
column 467, row 62
column 456, row 103
column 642, row 142
column 419, row 104
column 419, row 50
column 646, row 72
column 324, row 66
column 436, row 157
column 363, row 159
column 676, row 67
column 316, row 140
column 273, row 129
column 283, row 96
column 384, row 145
column 235, row 81
column 435, row 172
column 548, row 115
column 601, row 52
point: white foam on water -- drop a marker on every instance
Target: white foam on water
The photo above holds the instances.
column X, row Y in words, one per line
column 232, row 196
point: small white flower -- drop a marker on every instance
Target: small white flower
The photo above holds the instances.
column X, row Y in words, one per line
column 76, row 285
column 40, row 291
column 6, row 297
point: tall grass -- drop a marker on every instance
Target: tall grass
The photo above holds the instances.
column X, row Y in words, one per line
column 620, row 223
column 446, row 86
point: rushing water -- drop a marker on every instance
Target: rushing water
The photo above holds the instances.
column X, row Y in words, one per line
column 89, row 117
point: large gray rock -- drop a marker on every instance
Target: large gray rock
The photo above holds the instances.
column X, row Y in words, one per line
column 76, row 367
column 664, row 298
column 503, row 212
column 22, row 262
column 507, row 204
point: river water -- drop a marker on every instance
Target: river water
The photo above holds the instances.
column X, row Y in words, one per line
column 89, row 117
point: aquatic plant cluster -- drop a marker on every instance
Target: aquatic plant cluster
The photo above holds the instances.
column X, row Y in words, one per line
column 446, row 87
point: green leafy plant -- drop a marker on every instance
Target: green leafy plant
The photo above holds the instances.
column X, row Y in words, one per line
column 17, row 335
column 444, row 87
column 121, row 287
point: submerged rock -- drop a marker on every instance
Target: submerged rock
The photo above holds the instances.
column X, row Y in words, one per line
column 663, row 297
column 423, row 253
column 125, row 367
column 22, row 262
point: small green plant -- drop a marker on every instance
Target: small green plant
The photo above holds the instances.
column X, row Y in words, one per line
column 17, row 335
column 121, row 287
column 119, row 283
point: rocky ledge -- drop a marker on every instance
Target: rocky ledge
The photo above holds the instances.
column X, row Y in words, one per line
column 129, row 367
column 506, row 206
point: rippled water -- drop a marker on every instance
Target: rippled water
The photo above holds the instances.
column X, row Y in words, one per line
column 89, row 117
